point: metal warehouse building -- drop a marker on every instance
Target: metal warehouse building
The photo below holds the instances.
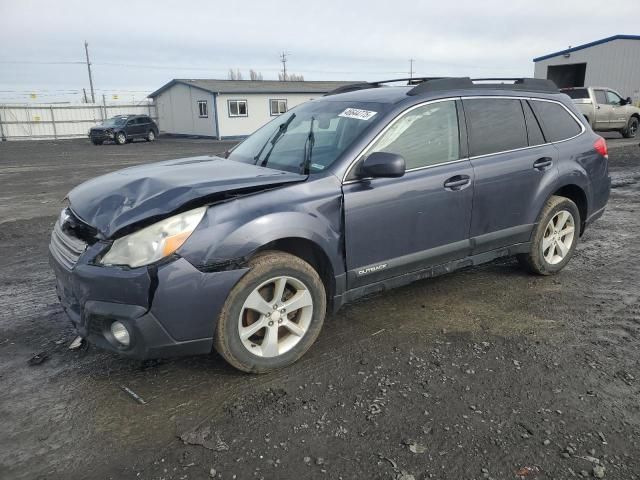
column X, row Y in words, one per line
column 612, row 62
column 229, row 108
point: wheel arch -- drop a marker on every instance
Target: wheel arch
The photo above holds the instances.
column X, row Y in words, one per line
column 310, row 252
column 578, row 196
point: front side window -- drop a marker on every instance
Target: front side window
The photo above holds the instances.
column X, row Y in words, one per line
column 203, row 109
column 277, row 107
column 601, row 98
column 613, row 98
column 557, row 122
column 495, row 125
column 309, row 137
column 238, row 108
column 427, row 135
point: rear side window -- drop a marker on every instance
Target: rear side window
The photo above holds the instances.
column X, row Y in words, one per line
column 427, row 135
column 534, row 130
column 495, row 125
column 577, row 93
column 557, row 123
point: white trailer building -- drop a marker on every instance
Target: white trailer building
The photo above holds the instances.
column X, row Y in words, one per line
column 612, row 62
column 229, row 108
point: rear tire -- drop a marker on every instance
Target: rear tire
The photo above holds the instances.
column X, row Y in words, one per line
column 631, row 130
column 555, row 237
column 257, row 331
column 96, row 142
column 120, row 138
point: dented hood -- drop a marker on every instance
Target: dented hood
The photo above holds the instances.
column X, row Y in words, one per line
column 117, row 200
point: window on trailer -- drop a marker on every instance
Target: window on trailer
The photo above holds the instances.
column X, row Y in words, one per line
column 238, row 108
column 203, row 110
column 278, row 107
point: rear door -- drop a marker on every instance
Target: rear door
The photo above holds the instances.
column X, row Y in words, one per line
column 399, row 225
column 512, row 164
column 603, row 110
column 144, row 123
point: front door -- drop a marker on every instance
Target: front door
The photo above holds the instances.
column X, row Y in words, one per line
column 618, row 118
column 399, row 225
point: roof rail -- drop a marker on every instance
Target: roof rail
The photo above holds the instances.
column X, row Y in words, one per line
column 444, row 83
column 524, row 83
column 364, row 85
column 352, row 87
column 429, row 84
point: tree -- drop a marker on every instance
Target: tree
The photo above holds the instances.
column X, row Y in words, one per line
column 253, row 75
column 290, row 77
column 234, row 74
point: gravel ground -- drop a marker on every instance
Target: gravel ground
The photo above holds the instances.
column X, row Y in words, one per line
column 485, row 373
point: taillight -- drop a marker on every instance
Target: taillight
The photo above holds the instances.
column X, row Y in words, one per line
column 601, row 147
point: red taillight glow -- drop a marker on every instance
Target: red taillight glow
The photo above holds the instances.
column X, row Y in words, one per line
column 601, row 147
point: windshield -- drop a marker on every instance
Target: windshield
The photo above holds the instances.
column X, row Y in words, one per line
column 310, row 137
column 115, row 121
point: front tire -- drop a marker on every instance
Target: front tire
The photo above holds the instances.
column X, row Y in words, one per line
column 555, row 237
column 273, row 315
column 631, row 130
column 120, row 138
column 151, row 136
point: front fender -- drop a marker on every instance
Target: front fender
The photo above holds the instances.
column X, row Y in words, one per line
column 234, row 230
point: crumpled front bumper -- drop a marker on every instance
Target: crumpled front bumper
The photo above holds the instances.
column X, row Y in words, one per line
column 169, row 309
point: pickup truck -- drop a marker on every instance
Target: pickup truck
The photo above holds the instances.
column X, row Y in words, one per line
column 606, row 110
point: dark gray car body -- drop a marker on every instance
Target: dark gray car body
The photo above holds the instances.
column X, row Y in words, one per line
column 362, row 235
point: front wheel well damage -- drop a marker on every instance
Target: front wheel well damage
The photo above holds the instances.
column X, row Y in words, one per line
column 311, row 253
column 577, row 196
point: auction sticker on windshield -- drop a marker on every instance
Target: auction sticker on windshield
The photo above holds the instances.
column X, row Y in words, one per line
column 357, row 114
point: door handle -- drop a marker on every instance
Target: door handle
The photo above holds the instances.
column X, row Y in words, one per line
column 542, row 163
column 457, row 182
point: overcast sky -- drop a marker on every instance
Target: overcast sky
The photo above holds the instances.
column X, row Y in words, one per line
column 138, row 45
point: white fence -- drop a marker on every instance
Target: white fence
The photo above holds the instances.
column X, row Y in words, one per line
column 51, row 121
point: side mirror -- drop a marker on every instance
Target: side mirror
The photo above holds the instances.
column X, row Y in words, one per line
column 382, row 165
column 628, row 101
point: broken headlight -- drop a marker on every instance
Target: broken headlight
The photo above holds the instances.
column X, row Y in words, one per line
column 154, row 242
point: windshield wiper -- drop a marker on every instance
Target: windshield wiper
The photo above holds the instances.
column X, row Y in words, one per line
column 281, row 130
column 308, row 149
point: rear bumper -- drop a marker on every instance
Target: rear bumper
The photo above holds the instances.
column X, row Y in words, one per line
column 169, row 310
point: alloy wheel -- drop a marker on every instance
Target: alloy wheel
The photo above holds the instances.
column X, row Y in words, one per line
column 558, row 237
column 275, row 316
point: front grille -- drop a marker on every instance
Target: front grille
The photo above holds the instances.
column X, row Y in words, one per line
column 65, row 248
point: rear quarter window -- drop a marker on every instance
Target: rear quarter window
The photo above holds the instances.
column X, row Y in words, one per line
column 495, row 125
column 557, row 123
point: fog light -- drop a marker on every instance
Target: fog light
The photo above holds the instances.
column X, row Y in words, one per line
column 120, row 333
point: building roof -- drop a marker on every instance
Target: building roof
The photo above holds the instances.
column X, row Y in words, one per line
column 254, row 86
column 588, row 45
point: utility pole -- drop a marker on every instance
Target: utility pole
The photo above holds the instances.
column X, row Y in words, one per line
column 86, row 51
column 411, row 60
column 84, row 92
column 283, row 59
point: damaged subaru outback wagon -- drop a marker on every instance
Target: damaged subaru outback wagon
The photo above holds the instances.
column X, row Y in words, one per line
column 371, row 187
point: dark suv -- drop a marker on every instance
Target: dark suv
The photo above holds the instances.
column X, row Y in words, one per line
column 124, row 129
column 368, row 188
